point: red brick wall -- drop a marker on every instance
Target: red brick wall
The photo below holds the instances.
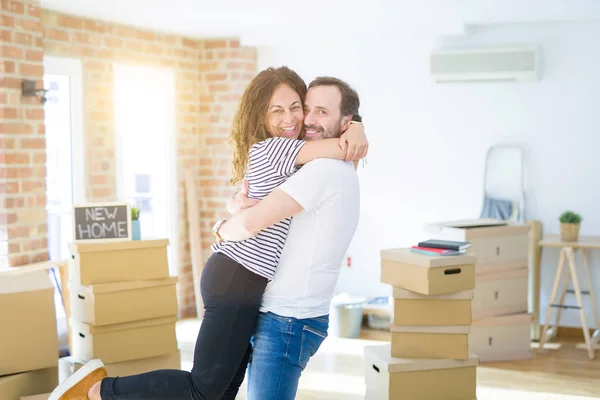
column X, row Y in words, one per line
column 225, row 71
column 23, row 231
column 210, row 77
column 99, row 45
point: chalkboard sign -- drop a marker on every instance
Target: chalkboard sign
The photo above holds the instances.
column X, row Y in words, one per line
column 102, row 222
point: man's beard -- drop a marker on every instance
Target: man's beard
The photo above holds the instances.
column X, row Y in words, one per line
column 334, row 132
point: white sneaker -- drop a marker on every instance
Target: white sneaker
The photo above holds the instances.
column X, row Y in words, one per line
column 78, row 385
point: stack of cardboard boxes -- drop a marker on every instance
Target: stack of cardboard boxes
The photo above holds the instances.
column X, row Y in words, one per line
column 123, row 307
column 428, row 357
column 28, row 333
column 501, row 328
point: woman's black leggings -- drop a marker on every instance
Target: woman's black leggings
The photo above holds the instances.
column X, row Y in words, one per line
column 232, row 296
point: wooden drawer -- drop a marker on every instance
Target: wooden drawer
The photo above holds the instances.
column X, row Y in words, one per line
column 492, row 244
column 502, row 338
column 511, row 250
column 501, row 292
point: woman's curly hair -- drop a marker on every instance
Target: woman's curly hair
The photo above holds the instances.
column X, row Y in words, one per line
column 248, row 126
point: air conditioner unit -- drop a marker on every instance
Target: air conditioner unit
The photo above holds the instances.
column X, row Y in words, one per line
column 485, row 65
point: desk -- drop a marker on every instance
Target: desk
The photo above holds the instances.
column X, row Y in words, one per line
column 567, row 253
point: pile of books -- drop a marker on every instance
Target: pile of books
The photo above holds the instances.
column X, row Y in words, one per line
column 436, row 247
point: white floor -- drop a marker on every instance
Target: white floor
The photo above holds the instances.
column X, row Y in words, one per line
column 484, row 393
column 336, row 372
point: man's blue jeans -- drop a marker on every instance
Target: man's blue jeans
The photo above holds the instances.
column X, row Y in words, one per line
column 282, row 347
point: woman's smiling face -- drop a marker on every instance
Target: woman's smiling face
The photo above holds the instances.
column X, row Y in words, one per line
column 285, row 115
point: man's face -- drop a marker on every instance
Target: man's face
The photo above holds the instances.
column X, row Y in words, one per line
column 322, row 115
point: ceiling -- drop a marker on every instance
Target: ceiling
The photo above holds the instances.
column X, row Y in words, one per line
column 266, row 21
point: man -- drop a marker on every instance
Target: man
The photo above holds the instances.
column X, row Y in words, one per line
column 323, row 197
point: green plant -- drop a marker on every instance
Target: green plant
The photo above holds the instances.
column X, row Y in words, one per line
column 570, row 217
column 135, row 213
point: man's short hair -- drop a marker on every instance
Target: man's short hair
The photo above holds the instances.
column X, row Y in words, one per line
column 350, row 101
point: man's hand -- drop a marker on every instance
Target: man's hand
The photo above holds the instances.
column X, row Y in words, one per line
column 354, row 141
column 240, row 201
column 276, row 206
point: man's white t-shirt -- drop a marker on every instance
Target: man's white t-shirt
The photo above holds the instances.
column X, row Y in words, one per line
column 317, row 241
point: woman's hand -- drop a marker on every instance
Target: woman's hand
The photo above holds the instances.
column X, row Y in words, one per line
column 355, row 142
column 240, row 200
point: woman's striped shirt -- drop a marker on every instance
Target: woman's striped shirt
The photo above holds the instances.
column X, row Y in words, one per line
column 270, row 163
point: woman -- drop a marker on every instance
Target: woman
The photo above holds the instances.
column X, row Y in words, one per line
column 267, row 151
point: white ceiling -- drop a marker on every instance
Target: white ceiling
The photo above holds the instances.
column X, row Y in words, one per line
column 266, row 21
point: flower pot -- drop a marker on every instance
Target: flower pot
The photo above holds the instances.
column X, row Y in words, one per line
column 136, row 233
column 569, row 232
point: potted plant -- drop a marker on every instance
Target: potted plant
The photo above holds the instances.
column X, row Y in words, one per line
column 135, row 223
column 570, row 222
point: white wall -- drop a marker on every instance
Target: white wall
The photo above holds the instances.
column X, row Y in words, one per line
column 428, row 141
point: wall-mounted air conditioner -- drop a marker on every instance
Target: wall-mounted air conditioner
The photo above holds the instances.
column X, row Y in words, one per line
column 519, row 64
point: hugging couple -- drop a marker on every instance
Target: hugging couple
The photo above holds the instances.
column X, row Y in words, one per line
column 268, row 285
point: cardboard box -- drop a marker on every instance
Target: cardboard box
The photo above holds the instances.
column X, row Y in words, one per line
column 430, row 275
column 124, row 342
column 67, row 366
column 430, row 342
column 501, row 292
column 28, row 337
column 440, row 310
column 496, row 243
column 502, row 338
column 115, row 303
column 13, row 387
column 387, row 377
column 110, row 262
column 44, row 396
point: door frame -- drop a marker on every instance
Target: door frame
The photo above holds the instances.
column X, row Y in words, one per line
column 72, row 68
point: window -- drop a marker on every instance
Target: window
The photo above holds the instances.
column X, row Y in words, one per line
column 144, row 101
column 64, row 149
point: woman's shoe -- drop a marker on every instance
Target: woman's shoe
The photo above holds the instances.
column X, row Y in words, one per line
column 78, row 385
